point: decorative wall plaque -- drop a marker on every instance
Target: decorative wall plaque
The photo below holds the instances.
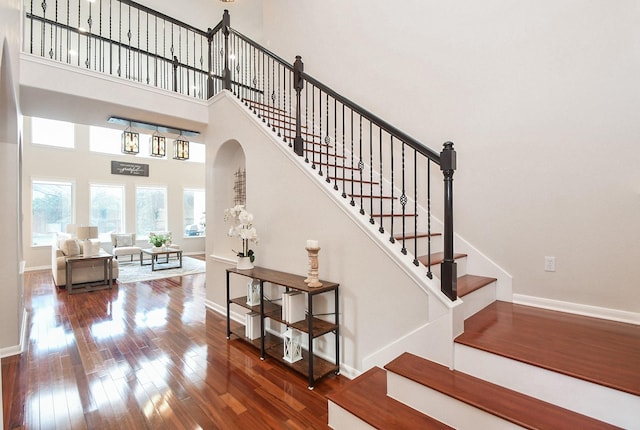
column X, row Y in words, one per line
column 131, row 169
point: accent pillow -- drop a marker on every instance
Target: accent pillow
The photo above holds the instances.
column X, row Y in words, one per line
column 124, row 240
column 70, row 247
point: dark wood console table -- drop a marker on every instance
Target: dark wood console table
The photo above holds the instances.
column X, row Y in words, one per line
column 310, row 366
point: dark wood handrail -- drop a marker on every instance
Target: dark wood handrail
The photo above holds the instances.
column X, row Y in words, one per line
column 164, row 17
column 413, row 143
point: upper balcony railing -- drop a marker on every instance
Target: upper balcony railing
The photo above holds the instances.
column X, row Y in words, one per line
column 381, row 170
column 120, row 38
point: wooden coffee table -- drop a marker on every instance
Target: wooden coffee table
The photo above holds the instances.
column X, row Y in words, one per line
column 154, row 258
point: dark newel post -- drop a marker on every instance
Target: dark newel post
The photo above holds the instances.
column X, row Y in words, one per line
column 210, row 64
column 298, row 68
column 226, row 29
column 175, row 73
column 449, row 278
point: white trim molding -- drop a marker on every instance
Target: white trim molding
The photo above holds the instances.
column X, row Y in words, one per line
column 578, row 309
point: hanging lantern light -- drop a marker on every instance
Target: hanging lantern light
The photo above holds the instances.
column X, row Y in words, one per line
column 158, row 145
column 130, row 141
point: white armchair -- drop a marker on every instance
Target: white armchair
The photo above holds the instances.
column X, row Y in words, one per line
column 124, row 244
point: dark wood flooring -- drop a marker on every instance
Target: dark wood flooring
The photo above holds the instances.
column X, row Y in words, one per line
column 147, row 355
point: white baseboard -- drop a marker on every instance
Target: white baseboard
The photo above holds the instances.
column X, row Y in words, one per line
column 17, row 349
column 578, row 309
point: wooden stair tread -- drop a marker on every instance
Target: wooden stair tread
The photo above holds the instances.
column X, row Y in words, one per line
column 366, row 397
column 263, row 106
column 437, row 258
column 507, row 404
column 599, row 351
column 470, row 283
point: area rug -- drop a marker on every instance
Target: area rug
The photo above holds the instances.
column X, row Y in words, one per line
column 133, row 272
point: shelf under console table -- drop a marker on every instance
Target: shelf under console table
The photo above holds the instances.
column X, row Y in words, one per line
column 311, row 366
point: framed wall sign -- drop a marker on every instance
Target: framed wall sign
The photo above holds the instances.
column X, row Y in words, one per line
column 131, row 169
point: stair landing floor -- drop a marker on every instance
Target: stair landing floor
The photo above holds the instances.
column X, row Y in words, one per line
column 596, row 350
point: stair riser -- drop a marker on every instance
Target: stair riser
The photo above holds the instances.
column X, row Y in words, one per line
column 340, row 419
column 479, row 299
column 596, row 401
column 442, row 407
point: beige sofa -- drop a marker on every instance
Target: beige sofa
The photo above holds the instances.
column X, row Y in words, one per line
column 92, row 271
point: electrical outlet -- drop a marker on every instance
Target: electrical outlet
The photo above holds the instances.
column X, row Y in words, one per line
column 549, row 264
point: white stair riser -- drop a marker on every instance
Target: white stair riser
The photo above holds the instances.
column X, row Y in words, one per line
column 599, row 402
column 474, row 302
column 441, row 407
column 340, row 419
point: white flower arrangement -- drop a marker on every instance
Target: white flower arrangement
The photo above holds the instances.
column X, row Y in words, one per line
column 242, row 228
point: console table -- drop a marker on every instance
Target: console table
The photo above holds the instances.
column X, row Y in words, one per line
column 107, row 261
column 310, row 366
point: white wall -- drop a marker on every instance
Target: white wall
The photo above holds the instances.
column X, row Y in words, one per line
column 246, row 15
column 379, row 302
column 542, row 101
column 11, row 286
column 84, row 167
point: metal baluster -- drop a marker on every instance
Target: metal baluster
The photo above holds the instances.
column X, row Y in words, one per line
column 68, row 33
column 371, row 220
column 279, row 111
column 87, row 62
column 78, row 34
column 313, row 126
column 148, row 79
column 352, row 202
column 44, row 28
column 344, row 194
column 393, row 188
column 110, row 39
column 429, row 274
column 31, row 29
column 139, row 68
column 54, row 43
column 101, row 55
column 415, row 206
column 403, row 203
column 360, row 169
column 306, row 122
column 381, row 176
column 335, row 146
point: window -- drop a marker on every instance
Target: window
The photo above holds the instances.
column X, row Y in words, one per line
column 151, row 210
column 107, row 210
column 196, row 152
column 51, row 210
column 52, row 133
column 105, row 140
column 193, row 210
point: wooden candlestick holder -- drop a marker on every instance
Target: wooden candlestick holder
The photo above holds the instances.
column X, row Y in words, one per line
column 312, row 278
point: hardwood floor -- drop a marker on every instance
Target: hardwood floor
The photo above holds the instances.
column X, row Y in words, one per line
column 147, row 355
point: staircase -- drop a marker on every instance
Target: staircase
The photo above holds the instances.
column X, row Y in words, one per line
column 515, row 367
column 386, row 175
